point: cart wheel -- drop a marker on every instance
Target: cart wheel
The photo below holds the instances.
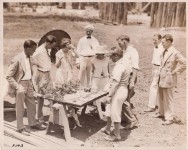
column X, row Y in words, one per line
column 49, row 127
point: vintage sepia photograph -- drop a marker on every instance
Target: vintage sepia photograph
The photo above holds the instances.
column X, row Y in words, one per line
column 90, row 75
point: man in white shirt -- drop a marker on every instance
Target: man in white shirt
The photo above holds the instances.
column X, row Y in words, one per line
column 86, row 50
column 131, row 57
column 19, row 77
column 156, row 62
column 41, row 77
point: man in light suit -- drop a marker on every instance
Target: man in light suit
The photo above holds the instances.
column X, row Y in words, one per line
column 19, row 77
column 173, row 63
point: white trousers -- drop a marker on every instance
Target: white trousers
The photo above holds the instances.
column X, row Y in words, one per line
column 166, row 106
column 153, row 98
column 85, row 71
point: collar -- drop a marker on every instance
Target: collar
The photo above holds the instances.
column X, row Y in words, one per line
column 119, row 61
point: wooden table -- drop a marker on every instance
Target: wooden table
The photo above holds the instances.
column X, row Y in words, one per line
column 60, row 116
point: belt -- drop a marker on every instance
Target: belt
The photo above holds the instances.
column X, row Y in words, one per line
column 43, row 71
column 156, row 65
column 87, row 56
column 26, row 80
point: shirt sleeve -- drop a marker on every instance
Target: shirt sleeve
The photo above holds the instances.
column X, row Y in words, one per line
column 95, row 43
column 134, row 58
column 117, row 73
column 79, row 46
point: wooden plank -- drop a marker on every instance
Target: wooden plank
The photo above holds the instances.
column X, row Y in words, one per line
column 38, row 137
column 65, row 123
column 145, row 7
column 19, row 136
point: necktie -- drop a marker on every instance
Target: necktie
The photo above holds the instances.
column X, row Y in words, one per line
column 88, row 37
column 156, row 46
column 164, row 52
column 48, row 52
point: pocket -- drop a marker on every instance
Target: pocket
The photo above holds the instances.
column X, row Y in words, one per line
column 169, row 79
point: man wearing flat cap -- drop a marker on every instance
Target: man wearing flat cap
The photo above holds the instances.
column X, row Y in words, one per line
column 131, row 57
column 86, row 50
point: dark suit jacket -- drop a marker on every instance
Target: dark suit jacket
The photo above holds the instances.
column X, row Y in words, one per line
column 173, row 62
column 15, row 73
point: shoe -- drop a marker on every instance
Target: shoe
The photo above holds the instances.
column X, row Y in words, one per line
column 150, row 110
column 24, row 132
column 131, row 125
column 38, row 127
column 158, row 116
column 105, row 131
column 113, row 138
column 41, row 121
column 167, row 122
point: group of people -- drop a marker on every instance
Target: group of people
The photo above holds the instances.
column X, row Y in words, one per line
column 29, row 75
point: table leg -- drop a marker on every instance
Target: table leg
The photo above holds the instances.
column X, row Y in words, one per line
column 65, row 123
column 49, row 127
column 83, row 110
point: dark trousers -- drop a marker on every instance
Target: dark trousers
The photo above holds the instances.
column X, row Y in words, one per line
column 127, row 112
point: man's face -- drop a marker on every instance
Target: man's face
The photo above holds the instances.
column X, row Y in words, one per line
column 50, row 45
column 89, row 32
column 156, row 41
column 122, row 43
column 114, row 57
column 29, row 51
column 166, row 43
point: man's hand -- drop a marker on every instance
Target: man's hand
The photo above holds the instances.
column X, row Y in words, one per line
column 38, row 95
column 108, row 99
column 78, row 66
column 21, row 89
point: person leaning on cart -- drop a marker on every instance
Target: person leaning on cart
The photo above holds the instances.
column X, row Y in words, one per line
column 19, row 77
column 117, row 94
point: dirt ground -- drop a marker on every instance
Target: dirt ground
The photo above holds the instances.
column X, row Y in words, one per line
column 150, row 132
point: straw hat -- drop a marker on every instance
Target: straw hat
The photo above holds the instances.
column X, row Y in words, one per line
column 89, row 27
column 102, row 49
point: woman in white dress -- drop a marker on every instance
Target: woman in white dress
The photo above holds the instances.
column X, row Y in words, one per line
column 64, row 63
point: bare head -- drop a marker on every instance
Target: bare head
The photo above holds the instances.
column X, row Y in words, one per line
column 29, row 47
column 50, row 41
column 157, row 39
column 123, row 41
column 167, row 41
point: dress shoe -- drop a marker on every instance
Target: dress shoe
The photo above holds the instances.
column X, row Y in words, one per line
column 113, row 138
column 38, row 127
column 131, row 125
column 150, row 110
column 158, row 116
column 105, row 131
column 24, row 132
column 167, row 122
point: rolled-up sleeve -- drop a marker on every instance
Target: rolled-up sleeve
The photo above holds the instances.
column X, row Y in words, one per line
column 117, row 73
column 134, row 58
